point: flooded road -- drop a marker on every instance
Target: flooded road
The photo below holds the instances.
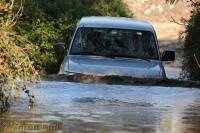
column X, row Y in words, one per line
column 68, row 107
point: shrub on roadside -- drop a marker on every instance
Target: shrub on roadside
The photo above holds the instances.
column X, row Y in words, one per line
column 16, row 69
column 191, row 69
column 191, row 38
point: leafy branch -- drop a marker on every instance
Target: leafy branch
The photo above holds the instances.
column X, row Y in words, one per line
column 17, row 72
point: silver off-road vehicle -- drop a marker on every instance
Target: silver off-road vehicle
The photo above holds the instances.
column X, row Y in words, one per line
column 114, row 46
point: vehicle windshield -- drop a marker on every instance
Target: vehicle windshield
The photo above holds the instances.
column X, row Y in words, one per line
column 114, row 43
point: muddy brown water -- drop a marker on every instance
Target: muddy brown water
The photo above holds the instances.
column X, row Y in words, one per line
column 72, row 107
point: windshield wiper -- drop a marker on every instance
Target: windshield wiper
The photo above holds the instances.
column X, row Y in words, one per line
column 96, row 54
column 144, row 59
column 83, row 53
column 112, row 56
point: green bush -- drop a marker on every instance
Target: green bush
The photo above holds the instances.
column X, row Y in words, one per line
column 45, row 22
column 191, row 69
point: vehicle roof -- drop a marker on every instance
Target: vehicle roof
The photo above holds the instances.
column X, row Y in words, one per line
column 115, row 22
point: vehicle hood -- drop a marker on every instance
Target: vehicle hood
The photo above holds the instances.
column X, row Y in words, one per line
column 99, row 65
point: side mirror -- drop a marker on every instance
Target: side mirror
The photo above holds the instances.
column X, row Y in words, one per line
column 168, row 55
column 60, row 48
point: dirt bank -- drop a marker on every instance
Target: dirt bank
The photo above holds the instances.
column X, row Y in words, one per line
column 158, row 10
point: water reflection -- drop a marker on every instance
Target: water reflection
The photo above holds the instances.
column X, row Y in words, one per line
column 76, row 107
